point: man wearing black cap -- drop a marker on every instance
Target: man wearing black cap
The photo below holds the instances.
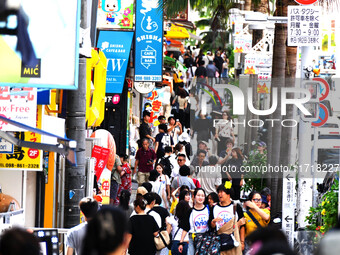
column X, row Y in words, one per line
column 161, row 120
column 145, row 129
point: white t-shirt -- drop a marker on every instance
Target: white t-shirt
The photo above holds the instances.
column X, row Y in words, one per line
column 199, row 220
column 176, row 232
column 224, row 212
column 209, row 177
column 156, row 216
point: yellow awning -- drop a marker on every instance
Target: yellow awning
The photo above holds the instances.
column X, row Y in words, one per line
column 177, row 32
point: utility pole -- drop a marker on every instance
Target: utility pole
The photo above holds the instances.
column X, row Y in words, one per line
column 75, row 179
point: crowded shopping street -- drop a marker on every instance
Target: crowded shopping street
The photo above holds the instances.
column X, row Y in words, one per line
column 169, row 127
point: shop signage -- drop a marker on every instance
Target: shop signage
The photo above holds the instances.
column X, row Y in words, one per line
column 48, row 61
column 115, row 14
column 5, row 146
column 304, row 25
column 18, row 104
column 149, row 41
column 144, row 87
column 116, row 46
column 242, row 43
column 289, row 203
column 24, row 158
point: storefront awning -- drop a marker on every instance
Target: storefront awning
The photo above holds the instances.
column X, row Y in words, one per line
column 195, row 37
column 177, row 32
column 65, row 146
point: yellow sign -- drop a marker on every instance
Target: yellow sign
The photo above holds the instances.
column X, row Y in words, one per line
column 24, row 158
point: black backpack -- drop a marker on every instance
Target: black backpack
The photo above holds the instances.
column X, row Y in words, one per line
column 167, row 165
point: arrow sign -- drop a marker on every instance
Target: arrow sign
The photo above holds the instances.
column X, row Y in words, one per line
column 288, row 176
column 148, row 57
column 288, row 219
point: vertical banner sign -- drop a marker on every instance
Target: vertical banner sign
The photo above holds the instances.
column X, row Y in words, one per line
column 289, row 203
column 149, row 41
column 102, row 156
column 116, row 46
column 115, row 14
column 24, row 158
column 18, row 104
column 304, row 25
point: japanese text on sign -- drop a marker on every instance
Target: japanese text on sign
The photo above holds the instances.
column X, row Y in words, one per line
column 304, row 26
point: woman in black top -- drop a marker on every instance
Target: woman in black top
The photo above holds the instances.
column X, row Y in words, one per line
column 142, row 229
column 234, row 164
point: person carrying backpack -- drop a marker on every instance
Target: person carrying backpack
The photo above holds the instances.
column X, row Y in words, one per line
column 165, row 161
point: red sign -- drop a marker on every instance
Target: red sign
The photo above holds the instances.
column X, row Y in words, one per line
column 306, row 2
column 102, row 156
column 324, row 88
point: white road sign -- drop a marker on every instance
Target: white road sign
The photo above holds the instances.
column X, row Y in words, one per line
column 304, row 25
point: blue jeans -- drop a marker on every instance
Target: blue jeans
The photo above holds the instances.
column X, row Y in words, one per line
column 191, row 247
column 174, row 248
column 114, row 189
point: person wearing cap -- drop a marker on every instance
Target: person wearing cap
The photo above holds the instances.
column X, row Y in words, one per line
column 145, row 129
column 161, row 120
column 199, row 161
column 261, row 147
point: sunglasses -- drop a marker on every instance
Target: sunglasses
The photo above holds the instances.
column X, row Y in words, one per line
column 257, row 200
column 180, row 159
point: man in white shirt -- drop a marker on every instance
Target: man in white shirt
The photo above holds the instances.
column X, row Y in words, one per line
column 210, row 176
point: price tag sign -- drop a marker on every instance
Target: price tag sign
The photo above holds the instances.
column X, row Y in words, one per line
column 304, row 25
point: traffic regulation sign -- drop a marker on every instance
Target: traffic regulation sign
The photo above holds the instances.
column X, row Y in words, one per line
column 306, row 2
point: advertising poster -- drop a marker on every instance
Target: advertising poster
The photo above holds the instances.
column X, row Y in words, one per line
column 116, row 46
column 242, row 43
column 18, row 104
column 115, row 14
column 32, row 60
column 24, row 158
column 149, row 41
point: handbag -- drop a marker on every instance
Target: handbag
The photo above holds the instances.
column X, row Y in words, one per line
column 207, row 243
column 162, row 240
column 226, row 233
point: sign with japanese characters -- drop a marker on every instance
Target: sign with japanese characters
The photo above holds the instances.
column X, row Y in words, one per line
column 24, row 158
column 115, row 14
column 289, row 203
column 243, row 43
column 144, row 87
column 101, row 156
column 304, row 25
column 116, row 46
column 18, row 104
column 149, row 41
column 260, row 64
column 156, row 101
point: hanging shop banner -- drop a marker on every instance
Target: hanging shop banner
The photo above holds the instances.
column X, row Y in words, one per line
column 115, row 14
column 149, row 41
column 102, row 156
column 155, row 102
column 24, row 158
column 18, row 104
column 50, row 61
column 116, row 46
column 242, row 43
column 304, row 25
